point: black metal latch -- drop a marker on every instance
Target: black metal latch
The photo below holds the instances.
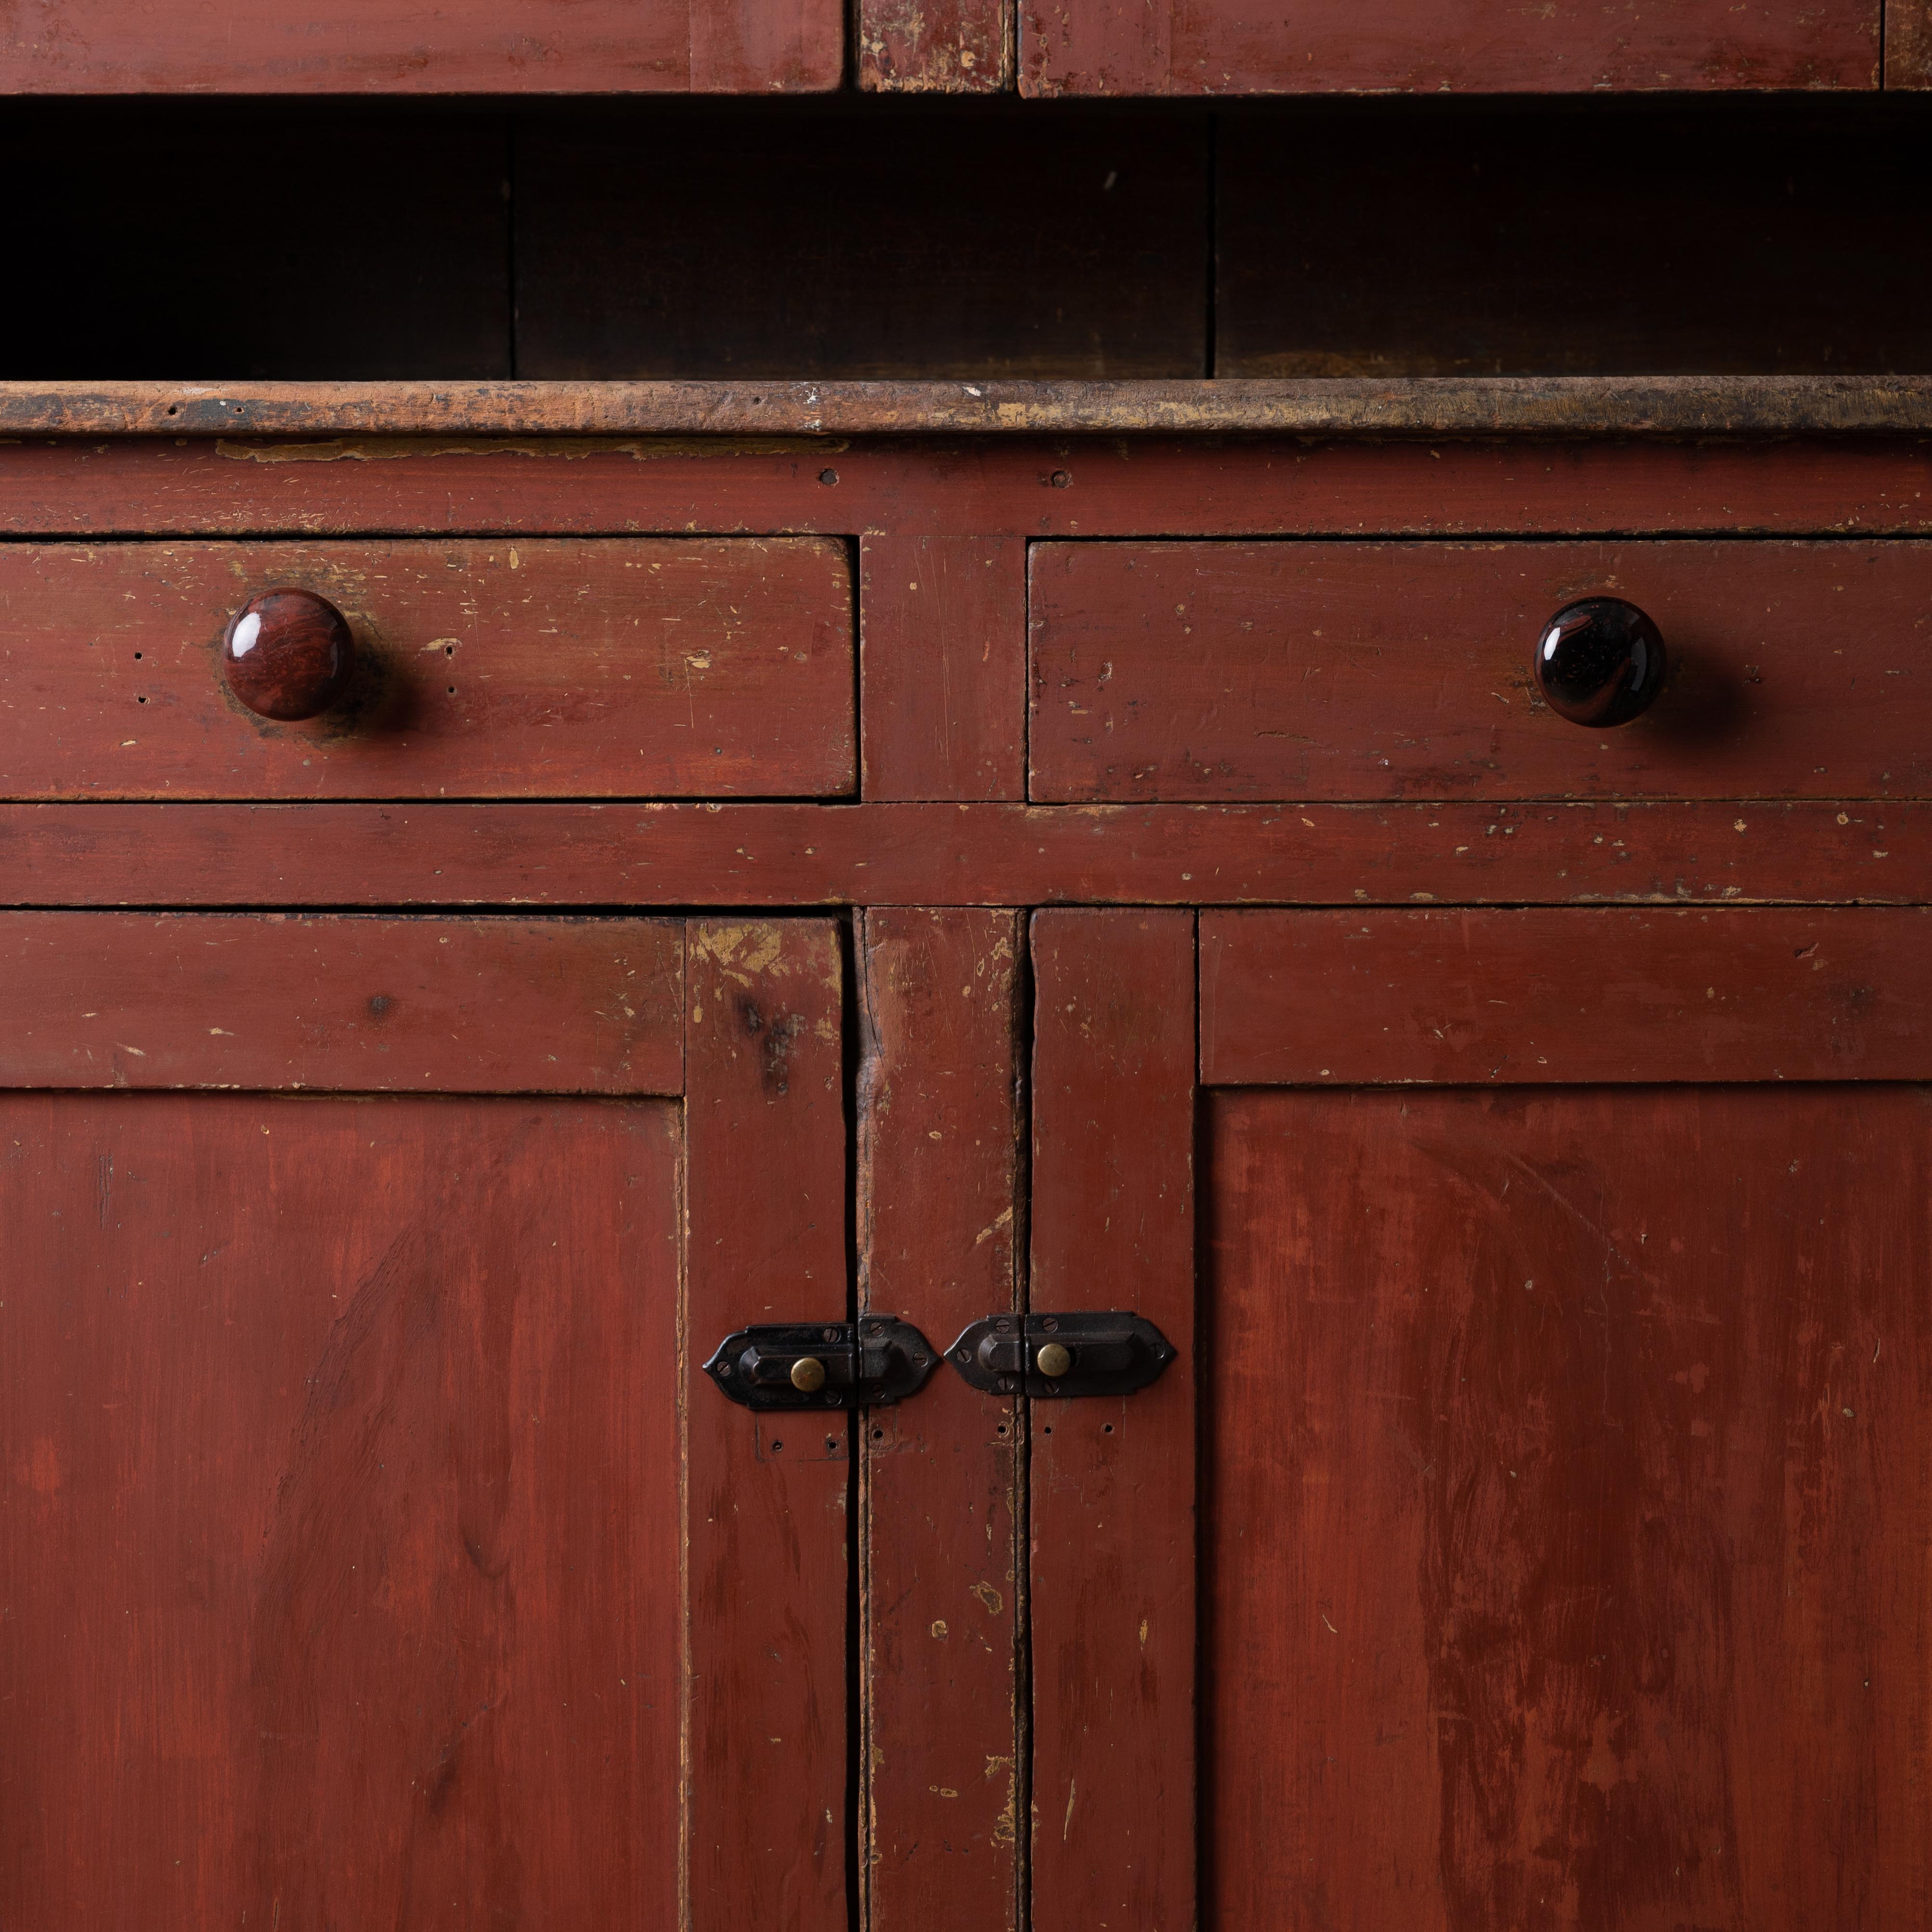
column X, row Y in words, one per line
column 1105, row 1354
column 823, row 1364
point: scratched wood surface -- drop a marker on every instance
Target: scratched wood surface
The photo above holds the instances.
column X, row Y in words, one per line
column 675, row 667
column 942, row 658
column 950, row 46
column 1536, row 997
column 767, row 1501
column 1111, row 1483
column 1318, row 670
column 1564, row 1558
column 485, row 46
column 1027, row 487
column 1428, row 46
column 1908, row 44
column 564, row 856
column 365, row 1005
column 940, row 1218
column 341, row 1547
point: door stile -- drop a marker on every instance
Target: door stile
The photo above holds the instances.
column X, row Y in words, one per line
column 768, row 1494
column 1112, row 1487
column 943, row 1617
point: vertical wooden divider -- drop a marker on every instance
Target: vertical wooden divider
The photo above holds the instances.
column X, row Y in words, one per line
column 767, row 1498
column 1111, row 1488
column 942, row 645
column 942, row 1616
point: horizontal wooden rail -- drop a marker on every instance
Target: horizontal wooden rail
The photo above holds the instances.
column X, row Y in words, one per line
column 566, row 855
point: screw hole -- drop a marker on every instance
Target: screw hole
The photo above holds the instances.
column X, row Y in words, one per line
column 1002, row 1428
column 140, row 701
column 1049, row 1429
column 174, row 409
column 1109, row 1429
column 831, row 1442
column 777, row 1446
column 1060, row 479
column 452, row 690
column 137, row 657
column 878, row 1435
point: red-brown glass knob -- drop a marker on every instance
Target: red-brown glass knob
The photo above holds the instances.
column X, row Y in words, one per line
column 1599, row 662
column 287, row 654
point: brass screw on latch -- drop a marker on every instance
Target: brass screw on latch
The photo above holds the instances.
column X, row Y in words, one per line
column 808, row 1374
column 1053, row 1361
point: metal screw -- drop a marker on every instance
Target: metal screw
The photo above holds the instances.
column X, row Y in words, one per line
column 1053, row 1361
column 1048, row 1322
column 808, row 1374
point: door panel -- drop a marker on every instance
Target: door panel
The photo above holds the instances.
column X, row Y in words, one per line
column 343, row 1550
column 1565, row 1552
column 1563, row 1556
column 374, row 1549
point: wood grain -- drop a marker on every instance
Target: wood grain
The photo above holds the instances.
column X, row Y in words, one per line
column 340, row 1548
column 1661, row 405
column 1478, row 46
column 767, row 1500
column 1129, row 486
column 961, row 46
column 1111, row 1483
column 664, row 248
column 355, row 46
column 563, row 855
column 1768, row 994
column 940, row 1220
column 1200, row 671
column 942, row 623
column 1754, row 233
column 1564, row 1554
column 694, row 666
column 262, row 1000
column 1908, row 44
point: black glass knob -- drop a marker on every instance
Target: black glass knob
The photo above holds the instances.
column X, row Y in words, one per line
column 1599, row 662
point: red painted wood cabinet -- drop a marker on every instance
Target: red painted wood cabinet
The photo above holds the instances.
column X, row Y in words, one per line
column 967, row 856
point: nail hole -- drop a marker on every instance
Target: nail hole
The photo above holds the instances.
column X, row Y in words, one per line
column 1109, row 1429
column 828, row 476
column 137, row 657
column 878, row 1435
column 140, row 701
column 831, row 1442
column 1002, row 1428
column 1049, row 1429
column 1060, row 479
column 778, row 1445
column 452, row 690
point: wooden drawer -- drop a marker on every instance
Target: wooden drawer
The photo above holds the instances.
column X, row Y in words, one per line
column 484, row 46
column 1238, row 46
column 1210, row 671
column 654, row 667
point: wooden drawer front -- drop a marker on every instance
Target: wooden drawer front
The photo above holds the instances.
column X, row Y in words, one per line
column 652, row 667
column 1240, row 46
column 355, row 46
column 1373, row 671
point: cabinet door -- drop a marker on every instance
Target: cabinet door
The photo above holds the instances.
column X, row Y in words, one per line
column 1562, row 1347
column 373, row 1552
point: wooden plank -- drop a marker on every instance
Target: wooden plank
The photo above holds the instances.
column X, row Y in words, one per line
column 341, row 1547
column 961, row 46
column 1428, row 46
column 1542, row 405
column 994, row 246
column 261, row 1001
column 137, row 269
column 1219, row 671
column 1030, row 488
column 767, row 1503
column 1565, row 1550
column 1536, row 997
column 353, row 46
column 1112, row 1483
column 1908, row 44
column 943, row 657
column 693, row 667
column 816, row 855
column 1763, row 232
column 940, row 1125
